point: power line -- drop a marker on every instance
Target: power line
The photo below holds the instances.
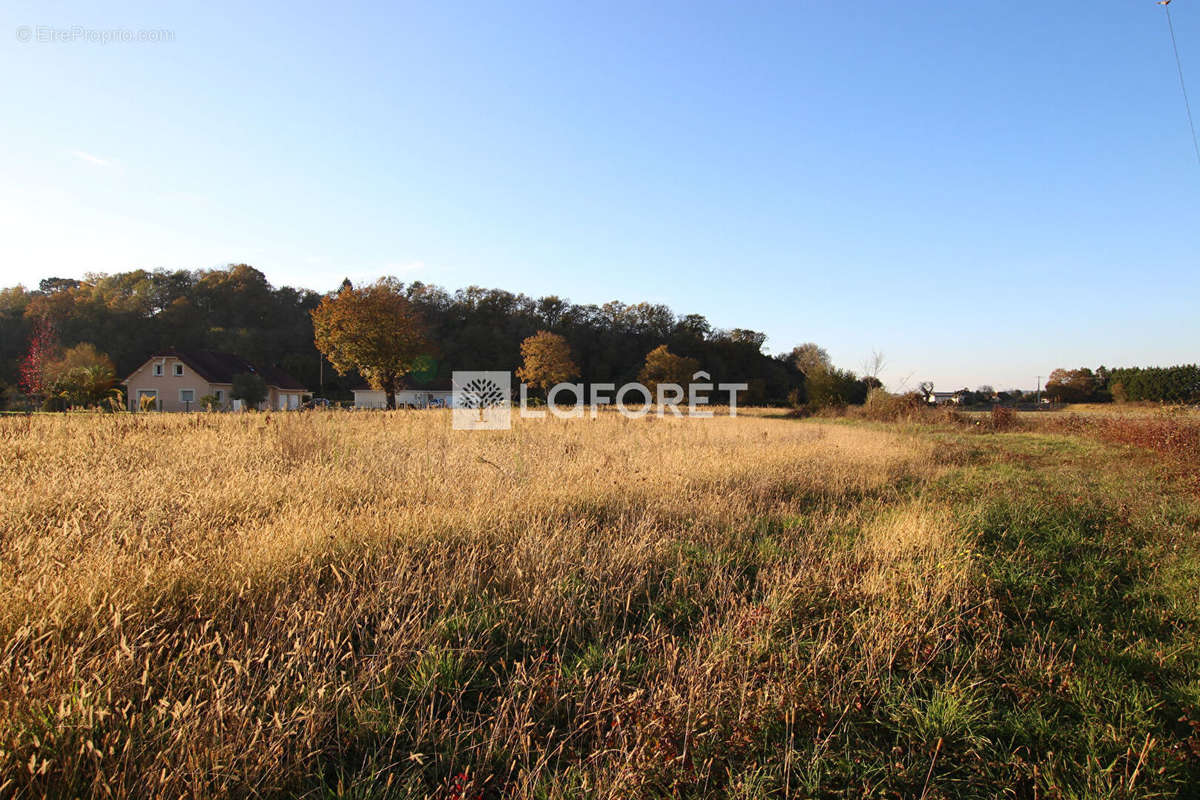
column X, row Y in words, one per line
column 1179, row 65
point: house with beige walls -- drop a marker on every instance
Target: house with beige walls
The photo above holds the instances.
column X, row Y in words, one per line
column 175, row 380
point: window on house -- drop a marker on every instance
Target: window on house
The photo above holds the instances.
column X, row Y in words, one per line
column 178, row 370
column 220, row 395
column 187, row 395
column 158, row 369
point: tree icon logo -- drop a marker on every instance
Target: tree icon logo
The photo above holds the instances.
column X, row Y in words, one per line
column 482, row 400
column 481, row 394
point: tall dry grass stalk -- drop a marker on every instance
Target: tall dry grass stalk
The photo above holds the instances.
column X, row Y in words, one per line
column 374, row 603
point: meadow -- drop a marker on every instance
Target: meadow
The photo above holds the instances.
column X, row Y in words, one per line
column 339, row 604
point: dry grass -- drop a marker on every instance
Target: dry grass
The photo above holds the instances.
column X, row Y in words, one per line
column 1173, row 432
column 195, row 604
column 1126, row 410
column 376, row 605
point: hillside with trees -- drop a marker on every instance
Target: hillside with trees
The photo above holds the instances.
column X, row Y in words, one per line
column 130, row 315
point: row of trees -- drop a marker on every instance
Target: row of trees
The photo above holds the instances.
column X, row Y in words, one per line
column 130, row 315
column 80, row 376
column 483, row 329
column 382, row 332
column 1178, row 384
column 83, row 377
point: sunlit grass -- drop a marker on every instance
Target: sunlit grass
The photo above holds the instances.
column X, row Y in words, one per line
column 377, row 605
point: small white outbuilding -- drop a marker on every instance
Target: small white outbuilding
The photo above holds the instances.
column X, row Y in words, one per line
column 432, row 395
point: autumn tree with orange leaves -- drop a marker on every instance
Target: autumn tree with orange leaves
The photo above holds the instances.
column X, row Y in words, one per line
column 374, row 330
column 547, row 361
column 663, row 366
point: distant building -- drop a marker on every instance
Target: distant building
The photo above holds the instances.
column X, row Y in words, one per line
column 176, row 380
column 945, row 398
column 412, row 394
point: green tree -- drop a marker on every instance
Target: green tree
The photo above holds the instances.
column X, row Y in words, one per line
column 810, row 357
column 374, row 330
column 83, row 377
column 829, row 386
column 1071, row 385
column 1178, row 384
column 250, row 388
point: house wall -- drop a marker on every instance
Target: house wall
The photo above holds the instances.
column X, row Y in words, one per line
column 282, row 399
column 224, row 389
column 168, row 385
column 370, row 398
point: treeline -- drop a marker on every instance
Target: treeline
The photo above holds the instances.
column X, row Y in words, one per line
column 1159, row 384
column 1178, row 384
column 130, row 315
column 478, row 328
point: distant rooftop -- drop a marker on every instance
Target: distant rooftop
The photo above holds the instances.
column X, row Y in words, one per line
column 218, row 367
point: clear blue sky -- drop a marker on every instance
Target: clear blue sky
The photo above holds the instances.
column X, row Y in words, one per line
column 983, row 191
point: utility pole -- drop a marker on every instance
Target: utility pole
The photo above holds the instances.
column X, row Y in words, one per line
column 321, row 386
column 1039, row 390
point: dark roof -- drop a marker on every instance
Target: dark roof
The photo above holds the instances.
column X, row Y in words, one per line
column 217, row 367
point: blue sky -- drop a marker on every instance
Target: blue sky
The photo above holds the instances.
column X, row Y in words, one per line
column 981, row 191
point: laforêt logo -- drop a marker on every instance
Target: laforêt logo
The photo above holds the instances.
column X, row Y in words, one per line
column 482, row 400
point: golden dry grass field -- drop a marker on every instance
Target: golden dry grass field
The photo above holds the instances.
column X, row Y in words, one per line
column 375, row 605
